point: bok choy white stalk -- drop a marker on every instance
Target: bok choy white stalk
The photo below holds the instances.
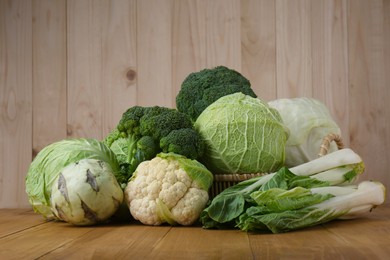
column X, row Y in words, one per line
column 341, row 167
column 280, row 210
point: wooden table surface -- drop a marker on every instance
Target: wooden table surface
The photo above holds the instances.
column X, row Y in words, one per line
column 25, row 235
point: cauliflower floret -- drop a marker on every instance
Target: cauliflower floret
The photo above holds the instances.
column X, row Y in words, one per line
column 186, row 211
column 171, row 194
column 146, row 208
column 169, row 188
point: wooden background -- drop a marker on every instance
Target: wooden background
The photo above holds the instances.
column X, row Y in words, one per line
column 69, row 68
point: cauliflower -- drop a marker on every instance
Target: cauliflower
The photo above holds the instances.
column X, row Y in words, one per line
column 170, row 188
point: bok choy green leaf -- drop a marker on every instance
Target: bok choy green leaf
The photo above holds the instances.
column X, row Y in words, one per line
column 280, row 210
column 341, row 167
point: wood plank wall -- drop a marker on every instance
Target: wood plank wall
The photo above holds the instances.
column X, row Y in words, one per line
column 69, row 68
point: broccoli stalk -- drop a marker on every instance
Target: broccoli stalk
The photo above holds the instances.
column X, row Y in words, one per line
column 143, row 132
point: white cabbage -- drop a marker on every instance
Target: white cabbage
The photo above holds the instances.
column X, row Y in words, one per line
column 308, row 121
column 86, row 193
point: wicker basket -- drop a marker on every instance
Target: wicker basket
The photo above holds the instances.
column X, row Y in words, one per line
column 223, row 181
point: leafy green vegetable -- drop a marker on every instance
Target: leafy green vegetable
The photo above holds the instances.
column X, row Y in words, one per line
column 242, row 135
column 47, row 165
column 202, row 88
column 143, row 132
column 281, row 210
column 226, row 207
column 309, row 121
column 279, row 200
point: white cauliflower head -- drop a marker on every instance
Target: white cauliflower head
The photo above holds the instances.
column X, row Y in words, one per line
column 169, row 188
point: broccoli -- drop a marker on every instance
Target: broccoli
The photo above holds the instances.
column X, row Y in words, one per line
column 160, row 121
column 129, row 123
column 139, row 132
column 147, row 148
column 202, row 88
column 185, row 141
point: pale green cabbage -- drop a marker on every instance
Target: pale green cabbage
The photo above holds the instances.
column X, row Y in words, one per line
column 47, row 165
column 308, row 121
column 86, row 193
column 242, row 135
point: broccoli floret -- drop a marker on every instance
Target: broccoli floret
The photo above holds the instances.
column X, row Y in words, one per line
column 129, row 123
column 137, row 136
column 202, row 88
column 146, row 150
column 184, row 141
column 160, row 121
column 112, row 137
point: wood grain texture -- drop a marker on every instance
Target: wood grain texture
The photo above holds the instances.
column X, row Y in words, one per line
column 258, row 46
column 154, row 53
column 293, row 48
column 352, row 239
column 330, row 59
column 16, row 220
column 119, row 60
column 369, row 85
column 49, row 70
column 188, row 40
column 69, row 68
column 15, row 100
column 223, row 34
column 25, row 235
column 84, row 66
column 131, row 241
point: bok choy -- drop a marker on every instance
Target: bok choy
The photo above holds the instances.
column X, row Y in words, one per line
column 282, row 210
column 320, row 182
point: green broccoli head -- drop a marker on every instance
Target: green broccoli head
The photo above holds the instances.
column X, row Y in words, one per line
column 202, row 88
column 130, row 121
column 147, row 148
column 137, row 136
column 184, row 141
column 160, row 121
column 112, row 137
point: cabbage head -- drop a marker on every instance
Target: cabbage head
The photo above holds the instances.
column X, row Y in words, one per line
column 242, row 135
column 49, row 162
column 308, row 121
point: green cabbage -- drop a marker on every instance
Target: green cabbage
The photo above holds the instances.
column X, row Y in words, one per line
column 308, row 121
column 47, row 165
column 242, row 135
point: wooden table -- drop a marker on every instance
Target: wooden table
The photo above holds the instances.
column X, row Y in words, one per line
column 25, row 235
